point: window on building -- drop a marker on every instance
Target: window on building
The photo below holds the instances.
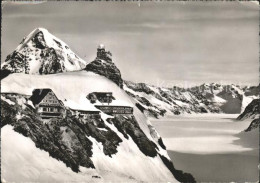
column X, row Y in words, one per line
column 44, row 109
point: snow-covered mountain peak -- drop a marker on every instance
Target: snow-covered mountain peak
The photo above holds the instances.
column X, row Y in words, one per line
column 45, row 37
column 42, row 53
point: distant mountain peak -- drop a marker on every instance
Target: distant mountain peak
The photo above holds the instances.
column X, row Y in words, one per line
column 42, row 53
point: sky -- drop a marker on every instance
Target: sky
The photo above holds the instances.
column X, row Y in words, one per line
column 161, row 43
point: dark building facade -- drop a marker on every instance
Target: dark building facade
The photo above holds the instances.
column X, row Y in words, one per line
column 47, row 104
column 115, row 110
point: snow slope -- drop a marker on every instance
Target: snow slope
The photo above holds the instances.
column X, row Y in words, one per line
column 72, row 88
column 42, row 53
column 23, row 162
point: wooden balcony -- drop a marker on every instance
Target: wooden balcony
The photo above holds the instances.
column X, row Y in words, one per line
column 48, row 115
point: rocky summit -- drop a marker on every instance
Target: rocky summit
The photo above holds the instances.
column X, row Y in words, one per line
column 104, row 66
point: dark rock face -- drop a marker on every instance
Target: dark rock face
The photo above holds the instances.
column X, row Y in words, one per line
column 178, row 174
column 108, row 138
column 4, row 73
column 105, row 67
column 251, row 110
column 139, row 87
column 17, row 63
column 129, row 126
column 52, row 62
column 253, row 125
column 39, row 40
column 160, row 142
column 49, row 136
column 203, row 110
column 140, row 107
column 144, row 101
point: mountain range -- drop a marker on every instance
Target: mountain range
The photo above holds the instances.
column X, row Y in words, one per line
column 206, row 98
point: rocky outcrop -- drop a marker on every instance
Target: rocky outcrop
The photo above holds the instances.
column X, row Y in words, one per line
column 104, row 66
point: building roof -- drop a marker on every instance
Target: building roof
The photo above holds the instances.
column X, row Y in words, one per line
column 39, row 94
